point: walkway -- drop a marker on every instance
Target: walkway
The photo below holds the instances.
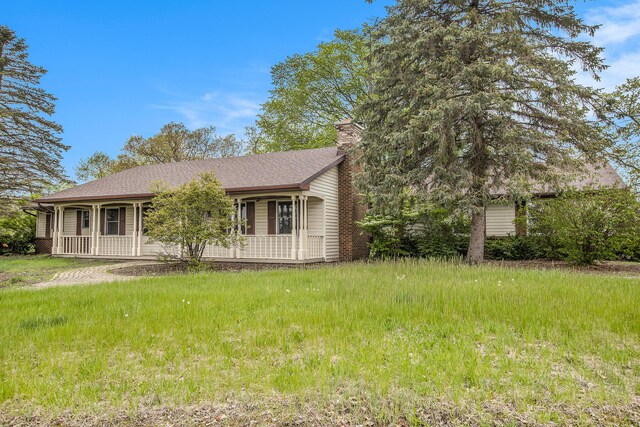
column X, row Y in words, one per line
column 90, row 275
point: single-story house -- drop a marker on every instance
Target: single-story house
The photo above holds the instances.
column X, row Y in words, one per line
column 296, row 207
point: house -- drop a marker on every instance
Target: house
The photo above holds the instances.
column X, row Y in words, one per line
column 295, row 206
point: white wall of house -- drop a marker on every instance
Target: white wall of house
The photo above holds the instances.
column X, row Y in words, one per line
column 326, row 187
column 316, row 217
column 500, row 220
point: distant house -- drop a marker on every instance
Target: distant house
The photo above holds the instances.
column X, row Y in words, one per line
column 295, row 206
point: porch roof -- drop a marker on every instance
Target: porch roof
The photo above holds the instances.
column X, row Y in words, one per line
column 288, row 170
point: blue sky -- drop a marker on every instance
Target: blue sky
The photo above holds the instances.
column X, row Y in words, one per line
column 127, row 67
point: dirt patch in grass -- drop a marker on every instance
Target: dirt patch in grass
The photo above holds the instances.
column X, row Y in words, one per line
column 354, row 410
column 610, row 267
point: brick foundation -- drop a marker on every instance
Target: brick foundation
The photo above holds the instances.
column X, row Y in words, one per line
column 353, row 243
column 43, row 245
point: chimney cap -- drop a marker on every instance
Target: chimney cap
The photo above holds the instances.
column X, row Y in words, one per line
column 348, row 121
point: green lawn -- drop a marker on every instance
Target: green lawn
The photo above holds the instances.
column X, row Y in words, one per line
column 394, row 342
column 26, row 270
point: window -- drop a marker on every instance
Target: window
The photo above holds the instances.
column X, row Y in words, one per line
column 85, row 219
column 112, row 222
column 285, row 217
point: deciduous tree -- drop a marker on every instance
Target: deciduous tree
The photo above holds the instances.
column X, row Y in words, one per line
column 190, row 217
column 472, row 95
column 174, row 143
column 312, row 91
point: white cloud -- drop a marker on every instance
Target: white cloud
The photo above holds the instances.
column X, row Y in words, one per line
column 228, row 112
column 620, row 36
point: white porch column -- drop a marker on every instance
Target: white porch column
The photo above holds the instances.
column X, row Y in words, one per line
column 294, row 228
column 54, row 238
column 134, row 236
column 239, row 225
column 139, row 250
column 92, row 229
column 233, row 251
column 60, row 228
column 304, row 228
column 98, row 231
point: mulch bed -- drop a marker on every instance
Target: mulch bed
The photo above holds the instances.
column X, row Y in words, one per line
column 609, row 267
column 164, row 268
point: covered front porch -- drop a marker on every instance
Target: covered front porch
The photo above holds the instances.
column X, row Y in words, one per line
column 274, row 228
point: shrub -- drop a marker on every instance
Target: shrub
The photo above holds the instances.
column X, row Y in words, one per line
column 514, row 248
column 588, row 226
column 17, row 233
column 417, row 231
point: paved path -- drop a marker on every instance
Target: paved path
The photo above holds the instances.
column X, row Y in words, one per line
column 90, row 275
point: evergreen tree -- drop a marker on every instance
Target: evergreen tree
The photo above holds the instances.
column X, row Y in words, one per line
column 474, row 95
column 30, row 148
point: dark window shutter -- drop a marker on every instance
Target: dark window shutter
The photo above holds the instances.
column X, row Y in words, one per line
column 102, row 220
column 271, row 217
column 251, row 218
column 47, row 225
column 123, row 221
column 78, row 223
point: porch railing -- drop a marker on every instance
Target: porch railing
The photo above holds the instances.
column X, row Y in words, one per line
column 266, row 247
column 76, row 245
column 115, row 245
column 315, row 247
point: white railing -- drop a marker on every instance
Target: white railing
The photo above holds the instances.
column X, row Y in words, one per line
column 115, row 245
column 315, row 247
column 266, row 247
column 75, row 245
column 212, row 251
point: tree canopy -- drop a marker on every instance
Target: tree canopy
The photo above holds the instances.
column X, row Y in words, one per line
column 312, row 91
column 471, row 96
column 30, row 145
column 174, row 143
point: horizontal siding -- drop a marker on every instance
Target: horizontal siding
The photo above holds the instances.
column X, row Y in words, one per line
column 326, row 187
column 70, row 218
column 500, row 220
column 261, row 218
column 316, row 217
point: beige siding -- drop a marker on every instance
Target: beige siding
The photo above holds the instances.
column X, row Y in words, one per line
column 500, row 220
column 261, row 218
column 316, row 217
column 70, row 218
column 326, row 187
column 41, row 224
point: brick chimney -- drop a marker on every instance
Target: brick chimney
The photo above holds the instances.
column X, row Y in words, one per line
column 353, row 243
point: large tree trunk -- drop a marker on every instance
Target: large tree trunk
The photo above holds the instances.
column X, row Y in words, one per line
column 475, row 254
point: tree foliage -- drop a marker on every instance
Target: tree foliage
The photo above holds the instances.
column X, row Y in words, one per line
column 17, row 232
column 174, row 143
column 312, row 91
column 584, row 227
column 470, row 96
column 622, row 114
column 190, row 217
column 30, row 145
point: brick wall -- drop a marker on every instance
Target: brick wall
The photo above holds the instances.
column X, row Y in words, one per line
column 353, row 243
column 43, row 245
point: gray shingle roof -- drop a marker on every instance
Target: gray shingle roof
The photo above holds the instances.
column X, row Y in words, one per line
column 272, row 171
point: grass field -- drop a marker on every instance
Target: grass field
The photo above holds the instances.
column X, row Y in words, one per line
column 408, row 343
column 18, row 270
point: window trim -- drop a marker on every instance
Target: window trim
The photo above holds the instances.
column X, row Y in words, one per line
column 106, row 221
column 88, row 219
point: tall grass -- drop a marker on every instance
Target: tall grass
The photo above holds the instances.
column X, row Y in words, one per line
column 410, row 331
